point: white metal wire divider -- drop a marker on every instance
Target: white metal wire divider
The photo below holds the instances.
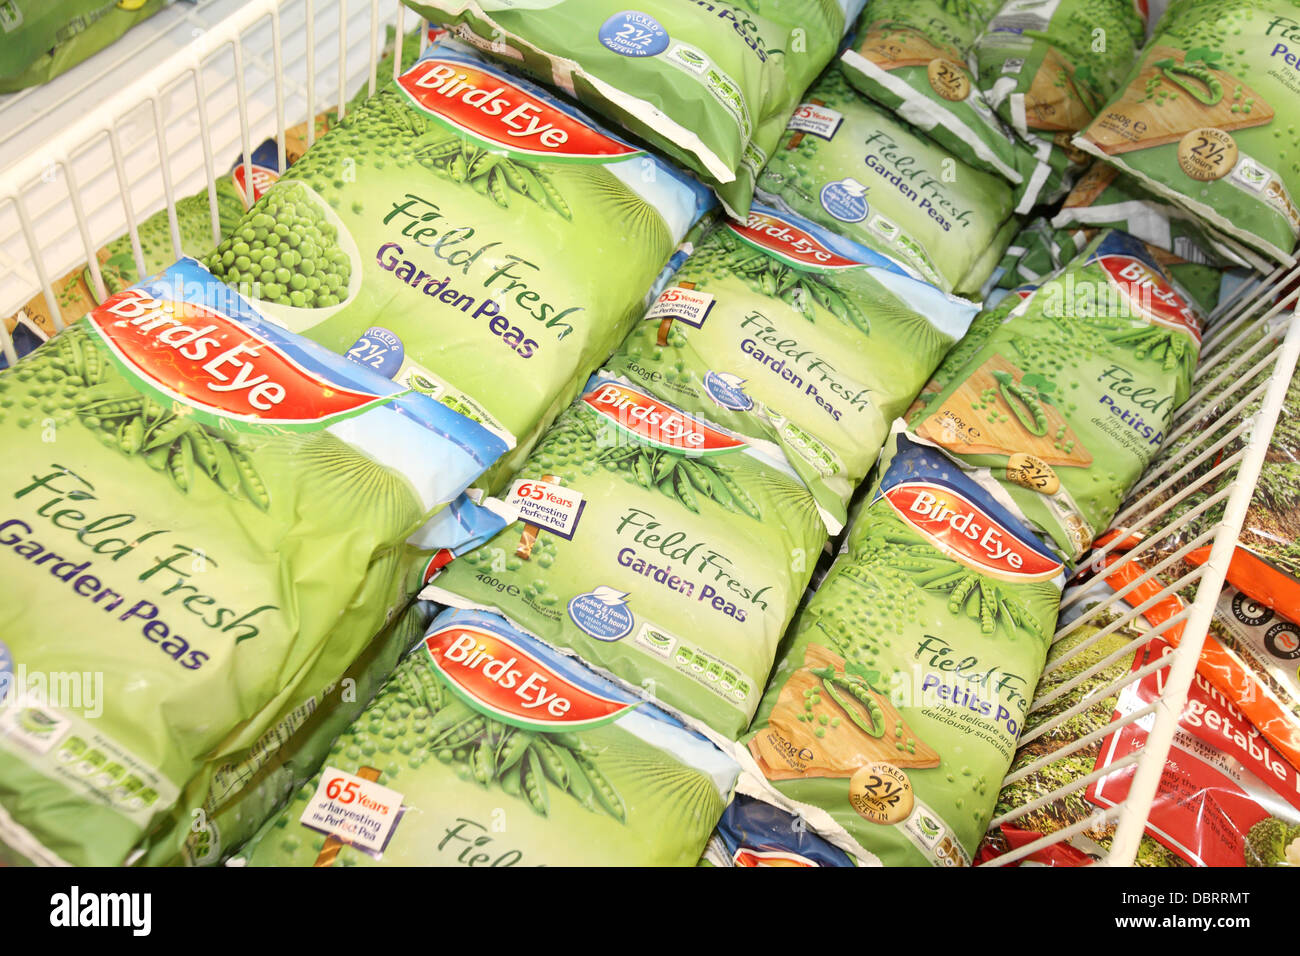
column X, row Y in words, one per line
column 182, row 82
column 1239, row 385
column 1216, row 447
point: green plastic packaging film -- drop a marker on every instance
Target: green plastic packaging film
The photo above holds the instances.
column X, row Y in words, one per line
column 209, row 519
column 710, row 85
column 1047, row 66
column 913, row 57
column 1036, row 251
column 466, row 229
column 245, row 792
column 1105, row 198
column 1069, row 399
column 783, row 332
column 39, row 39
column 1203, row 120
column 851, row 167
column 665, row 551
column 894, row 711
column 487, row 748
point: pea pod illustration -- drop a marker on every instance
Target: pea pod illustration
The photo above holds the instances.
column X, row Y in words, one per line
column 577, row 782
column 513, row 750
column 251, row 482
column 165, row 433
column 534, row 783
column 1025, row 403
column 484, row 764
column 180, row 463
column 642, row 470
column 682, row 488
column 876, row 728
column 549, row 758
column 606, row 795
column 1195, row 77
column 130, row 435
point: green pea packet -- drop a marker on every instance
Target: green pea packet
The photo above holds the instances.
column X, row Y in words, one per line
column 913, row 57
column 461, row 229
column 755, row 833
column 1041, row 248
column 1038, row 250
column 894, row 711
column 1202, row 119
column 1046, row 68
column 208, row 519
column 248, row 789
column 991, row 262
column 488, row 748
column 1069, row 397
column 75, row 292
column 853, row 168
column 783, row 332
column 667, row 552
column 1105, row 198
column 710, row 85
column 44, row 38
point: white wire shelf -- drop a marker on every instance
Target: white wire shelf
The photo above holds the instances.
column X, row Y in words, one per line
column 153, row 118
column 1194, row 496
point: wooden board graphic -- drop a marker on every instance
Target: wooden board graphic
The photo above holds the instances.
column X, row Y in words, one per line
column 962, row 424
column 790, row 747
column 1135, row 121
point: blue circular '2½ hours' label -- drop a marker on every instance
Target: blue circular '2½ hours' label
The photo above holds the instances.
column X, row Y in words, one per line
column 728, row 391
column 602, row 618
column 632, row 33
column 844, row 201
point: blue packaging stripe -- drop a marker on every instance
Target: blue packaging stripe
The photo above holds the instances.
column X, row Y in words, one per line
column 752, row 824
column 1117, row 243
column 914, row 462
column 265, row 154
column 463, row 526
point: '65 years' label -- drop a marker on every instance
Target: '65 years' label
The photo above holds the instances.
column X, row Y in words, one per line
column 816, row 119
column 547, row 505
column 684, row 305
column 354, row 810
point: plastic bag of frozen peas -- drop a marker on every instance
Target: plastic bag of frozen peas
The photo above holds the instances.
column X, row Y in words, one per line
column 182, row 539
column 784, row 332
column 710, row 85
column 894, row 712
column 662, row 549
column 853, row 168
column 487, row 748
column 461, row 230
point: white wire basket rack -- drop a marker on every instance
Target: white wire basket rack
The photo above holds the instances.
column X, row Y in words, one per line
column 154, row 117
column 158, row 116
column 1194, row 497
